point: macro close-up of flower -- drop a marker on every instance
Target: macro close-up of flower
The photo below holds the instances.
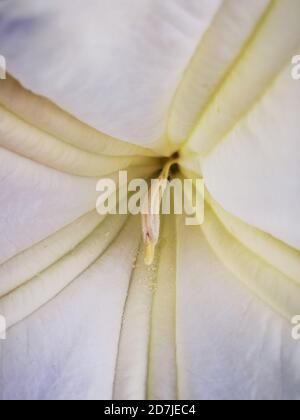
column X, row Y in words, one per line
column 123, row 307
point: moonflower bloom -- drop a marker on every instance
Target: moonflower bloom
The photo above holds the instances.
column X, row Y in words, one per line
column 95, row 87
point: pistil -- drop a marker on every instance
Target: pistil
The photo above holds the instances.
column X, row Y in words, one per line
column 151, row 211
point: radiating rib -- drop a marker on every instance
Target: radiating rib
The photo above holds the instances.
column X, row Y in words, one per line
column 43, row 114
column 26, row 299
column 31, row 142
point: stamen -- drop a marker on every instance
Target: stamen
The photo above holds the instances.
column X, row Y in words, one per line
column 151, row 212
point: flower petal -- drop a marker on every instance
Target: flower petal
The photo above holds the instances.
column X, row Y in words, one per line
column 271, row 285
column 114, row 65
column 37, row 291
column 37, row 201
column 274, row 252
column 132, row 367
column 219, row 49
column 32, row 261
column 162, row 376
column 255, row 171
column 29, row 141
column 68, row 348
column 229, row 344
column 252, row 75
column 147, row 351
column 44, row 115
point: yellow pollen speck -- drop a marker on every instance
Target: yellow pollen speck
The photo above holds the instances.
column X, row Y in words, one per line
column 149, row 253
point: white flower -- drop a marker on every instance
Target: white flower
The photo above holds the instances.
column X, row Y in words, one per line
column 123, row 83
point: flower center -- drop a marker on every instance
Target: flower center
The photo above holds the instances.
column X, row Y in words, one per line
column 151, row 208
